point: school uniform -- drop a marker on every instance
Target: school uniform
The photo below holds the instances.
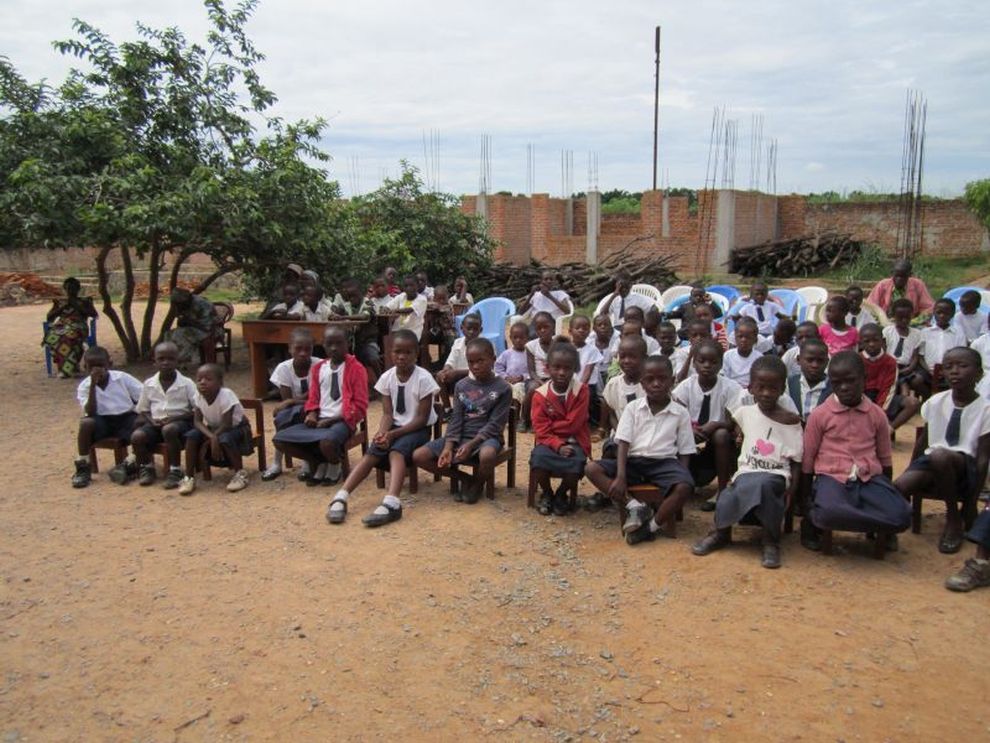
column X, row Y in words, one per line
column 652, row 345
column 297, row 308
column 540, row 303
column 590, row 356
column 939, row 341
column 790, row 359
column 115, row 416
column 881, row 383
column 847, row 448
column 955, row 429
column 736, row 367
column 806, row 396
column 618, row 393
column 679, row 358
column 607, row 353
column 972, row 326
column 982, row 346
column 284, row 375
column 983, row 388
column 457, row 358
column 655, row 441
column 320, row 313
column 902, row 348
column 859, row 319
column 560, row 419
column 766, row 315
column 539, row 358
column 365, row 342
column 238, row 436
column 838, row 340
column 617, row 310
column 763, row 472
column 706, row 407
column 405, row 397
column 157, row 404
column 513, row 363
column 414, row 320
column 480, row 410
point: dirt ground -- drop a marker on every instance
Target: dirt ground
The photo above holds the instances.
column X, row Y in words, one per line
column 134, row 614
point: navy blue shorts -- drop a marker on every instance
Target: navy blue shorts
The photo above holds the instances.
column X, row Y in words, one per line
column 545, row 458
column 661, row 473
column 116, row 426
column 405, row 445
column 238, row 437
column 965, row 484
column 436, row 447
column 154, row 434
column 979, row 532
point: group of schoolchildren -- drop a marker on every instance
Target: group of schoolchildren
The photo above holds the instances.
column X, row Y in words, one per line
column 776, row 414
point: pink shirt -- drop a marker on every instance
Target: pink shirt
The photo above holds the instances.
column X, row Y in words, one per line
column 915, row 290
column 845, row 341
column 841, row 442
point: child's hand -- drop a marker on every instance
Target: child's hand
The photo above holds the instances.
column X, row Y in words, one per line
column 381, row 439
column 443, row 461
column 514, row 379
column 463, row 453
column 618, row 488
column 708, row 429
column 311, row 419
column 566, row 450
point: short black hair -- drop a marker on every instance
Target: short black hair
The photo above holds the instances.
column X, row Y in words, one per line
column 519, row 324
column 666, row 325
column 813, row 343
column 973, row 354
column 847, row 359
column 771, row 364
column 854, row 289
column 748, row 322
column 473, row 317
column 635, row 311
column 639, row 340
column 807, row 324
column 969, row 294
column 303, row 335
column 404, row 334
column 872, row 327
column 948, row 303
column 481, row 344
column 659, row 359
column 215, row 369
column 787, row 322
column 164, row 344
column 711, row 343
column 567, row 349
column 575, row 318
column 841, row 300
column 902, row 303
column 94, row 352
column 542, row 315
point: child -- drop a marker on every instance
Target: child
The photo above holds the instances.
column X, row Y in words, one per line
column 737, row 361
column 634, row 326
column 409, row 309
column 481, row 411
column 655, row 441
column 708, row 397
column 683, row 359
column 804, row 331
column 391, row 278
column 605, row 335
column 858, row 316
column 290, row 308
column 881, row 378
column 706, row 313
column 379, row 294
column 349, row 304
column 667, row 339
column 969, row 319
column 536, row 360
column 107, row 398
column 950, row 458
column 783, row 337
column 769, row 467
column 976, row 571
column 937, row 339
column 837, row 335
column 513, row 363
column 335, row 401
column 622, row 389
column 905, row 343
column 441, row 329
column 407, row 414
column 622, row 299
column 847, row 452
column 461, row 295
column 580, row 328
column 423, row 285
column 764, row 313
column 165, row 414
column 562, row 439
column 544, row 298
column 810, row 387
column 291, row 379
column 220, row 434
column 455, row 368
column 982, row 346
column 316, row 307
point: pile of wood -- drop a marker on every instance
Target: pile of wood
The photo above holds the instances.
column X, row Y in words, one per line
column 585, row 283
column 25, row 288
column 801, row 256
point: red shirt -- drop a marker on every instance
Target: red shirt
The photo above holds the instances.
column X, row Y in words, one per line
column 556, row 420
column 881, row 375
column 354, row 402
column 841, row 442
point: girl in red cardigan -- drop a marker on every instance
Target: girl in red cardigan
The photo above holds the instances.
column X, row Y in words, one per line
column 337, row 402
column 560, row 427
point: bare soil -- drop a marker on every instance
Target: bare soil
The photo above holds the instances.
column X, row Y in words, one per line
column 134, row 614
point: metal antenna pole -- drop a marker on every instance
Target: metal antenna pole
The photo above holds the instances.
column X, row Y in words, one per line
column 656, row 104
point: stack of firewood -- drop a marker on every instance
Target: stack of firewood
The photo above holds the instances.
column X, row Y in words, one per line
column 801, row 256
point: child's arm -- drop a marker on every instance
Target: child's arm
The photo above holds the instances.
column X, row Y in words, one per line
column 200, row 424
column 617, row 489
column 385, row 424
column 90, row 408
column 586, row 373
column 920, row 444
column 982, row 460
column 883, row 449
column 914, row 363
column 418, row 420
column 685, row 367
column 608, row 420
column 453, row 435
column 497, row 419
column 531, row 363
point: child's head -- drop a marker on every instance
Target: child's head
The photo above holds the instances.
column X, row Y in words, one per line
column 390, row 276
column 657, row 379
column 440, row 294
column 563, row 361
column 603, row 328
column 813, row 359
column 311, row 295
column 410, row 287
column 767, row 381
column 901, row 272
column 471, row 326
column 166, row 357
column 519, row 335
column 632, row 354
column 71, row 287
column 379, row 289
column 806, row 330
column 705, row 313
column 544, row 325
column 836, row 310
column 622, row 284
column 460, row 285
column 308, row 278
column 746, row 334
column 666, row 336
column 301, row 346
column 405, row 350
column 902, row 310
column 784, row 332
column 708, row 360
column 871, row 339
column 635, row 313
column 580, row 329
column 335, row 343
column 943, row 312
column 290, row 294
column 963, row 368
column 969, row 302
column 698, row 330
column 480, row 358
column 698, row 293
column 350, row 289
column 209, row 380
column 847, row 375
column 758, row 292
column 855, row 296
column 632, row 326
column 97, row 360
column 548, row 280
column 422, row 281
column 652, row 320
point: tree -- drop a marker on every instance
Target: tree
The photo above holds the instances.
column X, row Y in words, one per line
column 151, row 153
column 977, row 196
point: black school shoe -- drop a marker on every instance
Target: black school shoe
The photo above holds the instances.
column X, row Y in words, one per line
column 643, row 534
column 472, row 490
column 771, row 556
column 811, row 537
column 123, row 473
column 83, row 475
column 545, row 505
column 147, row 475
column 373, row 519
column 637, row 517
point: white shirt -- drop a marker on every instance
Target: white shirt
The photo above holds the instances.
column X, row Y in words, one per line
column 539, row 357
column 540, row 303
column 415, row 320
column 618, row 393
column 865, row 317
column 982, row 346
column 457, row 358
column 913, row 340
column 119, row 397
column 380, row 302
column 213, row 412
column 177, row 400
column 723, row 396
column 771, row 310
column 297, row 309
column 631, row 300
column 811, row 396
column 679, row 357
column 284, row 375
column 737, row 367
column 420, row 385
column 607, row 354
column 428, row 293
column 324, row 308
column 330, row 408
column 983, row 388
column 975, row 422
column 589, row 355
column 972, row 326
column 662, row 436
column 938, row 342
column 652, row 345
column 790, row 359
column 768, row 447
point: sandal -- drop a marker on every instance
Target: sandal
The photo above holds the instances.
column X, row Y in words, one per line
column 338, row 516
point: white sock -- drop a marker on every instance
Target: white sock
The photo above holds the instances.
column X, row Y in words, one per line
column 320, row 471
column 175, row 469
column 278, row 458
column 342, row 495
column 130, row 459
column 654, row 526
column 633, row 503
column 82, row 458
column 392, row 501
column 337, row 504
column 333, row 470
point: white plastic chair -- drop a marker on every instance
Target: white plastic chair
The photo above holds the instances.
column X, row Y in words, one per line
column 648, row 290
column 815, row 296
column 672, row 293
column 721, row 301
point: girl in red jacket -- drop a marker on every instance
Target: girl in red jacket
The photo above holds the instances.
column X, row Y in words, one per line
column 560, row 426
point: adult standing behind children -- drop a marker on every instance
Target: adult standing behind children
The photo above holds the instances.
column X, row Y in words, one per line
column 901, row 284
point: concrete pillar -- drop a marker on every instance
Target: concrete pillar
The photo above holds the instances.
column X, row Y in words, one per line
column 594, row 217
column 568, row 216
column 665, row 218
column 725, row 228
column 481, row 205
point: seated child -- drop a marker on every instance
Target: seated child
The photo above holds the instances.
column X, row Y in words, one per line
column 316, row 307
column 858, row 315
column 737, row 361
column 810, row 387
column 290, row 308
column 682, row 360
column 881, row 378
column 763, row 311
column 544, row 297
column 221, row 435
column 688, row 311
column 165, row 414
column 513, row 364
column 408, row 309
column 407, row 392
column 847, row 452
column 769, row 467
column 602, row 339
column 905, row 343
column 455, row 368
column 837, row 335
column 634, row 326
column 937, row 339
column 536, row 360
column 804, row 330
column 579, row 328
column 655, row 440
column 349, row 304
column 950, row 458
column 622, row 299
column 441, row 329
column 622, row 389
column 982, row 346
column 291, row 379
column 562, row 439
column 480, row 414
column 969, row 319
column 976, row 570
column 706, row 313
column 107, row 398
column 378, row 294
column 423, row 285
column 461, row 295
column 708, row 397
column 667, row 340
column 782, row 339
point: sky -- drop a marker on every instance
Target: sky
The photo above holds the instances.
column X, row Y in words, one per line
column 829, row 80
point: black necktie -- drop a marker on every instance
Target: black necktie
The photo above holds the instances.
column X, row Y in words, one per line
column 630, row 397
column 900, row 348
column 400, row 399
column 563, row 400
column 622, row 307
column 304, row 386
column 952, row 430
column 759, row 313
column 852, row 320
column 706, row 410
column 334, row 386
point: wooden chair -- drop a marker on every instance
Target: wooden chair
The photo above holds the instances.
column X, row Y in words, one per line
column 257, row 436
column 879, row 548
column 221, row 339
column 531, row 494
column 968, row 500
column 506, row 454
column 412, row 471
column 650, row 495
column 117, row 446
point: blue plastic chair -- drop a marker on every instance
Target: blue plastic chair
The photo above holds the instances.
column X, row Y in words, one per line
column 958, row 291
column 729, row 292
column 90, row 342
column 794, row 304
column 494, row 311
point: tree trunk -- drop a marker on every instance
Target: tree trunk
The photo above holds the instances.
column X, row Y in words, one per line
column 221, row 271
column 154, row 271
column 130, row 348
column 127, row 302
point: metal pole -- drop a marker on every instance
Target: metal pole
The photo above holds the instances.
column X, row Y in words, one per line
column 656, row 105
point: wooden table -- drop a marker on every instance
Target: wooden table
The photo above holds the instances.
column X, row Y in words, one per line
column 259, row 333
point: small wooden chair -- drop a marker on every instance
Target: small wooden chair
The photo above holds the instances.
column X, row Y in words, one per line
column 117, row 446
column 531, row 495
column 969, row 500
column 257, row 436
column 506, row 454
column 651, row 495
column 879, row 548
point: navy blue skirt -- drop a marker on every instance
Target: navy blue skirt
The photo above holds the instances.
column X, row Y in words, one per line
column 965, row 484
column 289, row 416
column 545, row 458
column 875, row 505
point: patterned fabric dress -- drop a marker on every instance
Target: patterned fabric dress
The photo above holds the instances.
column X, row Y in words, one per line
column 66, row 336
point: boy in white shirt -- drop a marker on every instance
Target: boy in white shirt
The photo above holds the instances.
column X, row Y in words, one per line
column 544, row 298
column 737, row 361
column 408, row 308
column 969, row 319
column 982, row 346
column 805, row 330
column 290, row 308
column 858, row 315
column 762, row 310
column 939, row 339
column 107, row 398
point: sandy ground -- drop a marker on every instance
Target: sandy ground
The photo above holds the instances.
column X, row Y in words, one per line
column 134, row 614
